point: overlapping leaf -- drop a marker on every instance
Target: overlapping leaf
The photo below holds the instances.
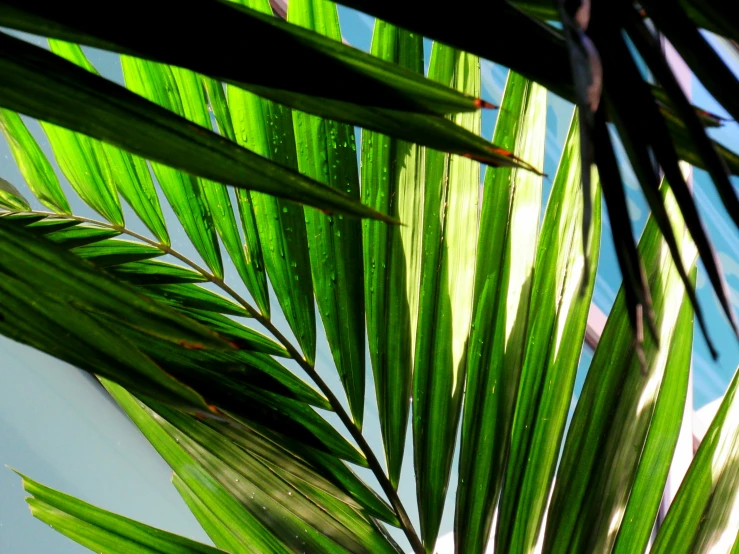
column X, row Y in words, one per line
column 503, row 278
column 318, row 66
column 327, row 153
column 117, row 169
column 38, row 83
column 80, row 159
column 267, row 129
column 33, row 164
column 392, row 181
column 254, row 260
column 560, row 301
column 703, row 515
column 103, row 531
column 287, row 500
column 195, row 108
column 450, row 221
column 620, row 443
column 109, row 330
column 431, row 130
column 50, row 299
column 647, row 494
column 549, row 67
column 184, row 192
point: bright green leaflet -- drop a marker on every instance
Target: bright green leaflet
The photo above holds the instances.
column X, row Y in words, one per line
column 703, row 515
column 252, row 245
column 327, row 153
column 655, row 462
column 611, row 431
column 558, row 316
column 103, row 531
column 184, row 192
column 195, row 108
column 267, row 129
column 33, row 164
column 83, row 163
column 392, row 181
column 128, row 173
column 451, row 192
column 503, row 278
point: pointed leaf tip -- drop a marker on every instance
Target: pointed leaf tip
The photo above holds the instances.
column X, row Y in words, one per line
column 484, row 104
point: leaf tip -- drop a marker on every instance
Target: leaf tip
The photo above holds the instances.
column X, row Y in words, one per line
column 480, row 103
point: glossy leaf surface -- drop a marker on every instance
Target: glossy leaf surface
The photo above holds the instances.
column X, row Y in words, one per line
column 503, row 278
column 450, row 218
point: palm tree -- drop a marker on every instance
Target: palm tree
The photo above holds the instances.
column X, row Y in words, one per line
column 474, row 317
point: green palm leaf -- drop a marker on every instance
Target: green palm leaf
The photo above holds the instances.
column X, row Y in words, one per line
column 471, row 315
column 703, row 514
column 33, row 164
column 252, row 245
column 445, row 304
column 184, row 192
column 195, row 108
column 43, row 85
column 129, row 174
column 83, row 162
column 560, row 300
column 334, row 70
column 503, row 279
column 634, row 409
column 327, row 153
column 48, row 294
column 625, row 93
column 392, row 176
column 153, row 272
column 103, row 531
column 267, row 129
column 284, row 505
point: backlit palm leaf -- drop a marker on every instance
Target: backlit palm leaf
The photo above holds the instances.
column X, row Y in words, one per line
column 474, row 319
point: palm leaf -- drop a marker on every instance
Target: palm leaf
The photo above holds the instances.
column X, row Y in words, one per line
column 124, row 172
column 449, row 245
column 503, row 280
column 702, row 516
column 267, row 128
column 327, row 153
column 33, row 164
column 391, row 83
column 245, row 382
column 560, row 301
column 38, row 83
column 185, row 193
column 634, row 409
column 283, row 505
column 116, row 252
column 153, row 272
column 392, row 174
column 346, row 525
column 195, row 108
column 359, row 78
column 217, row 103
column 550, row 67
column 103, row 531
column 48, row 294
